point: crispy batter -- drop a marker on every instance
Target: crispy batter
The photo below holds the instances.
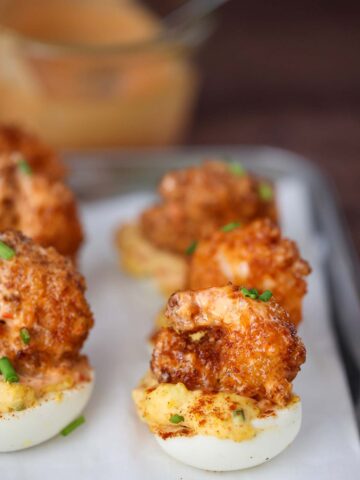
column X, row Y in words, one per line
column 17, row 143
column 40, row 290
column 218, row 340
column 198, row 200
column 41, row 208
column 253, row 256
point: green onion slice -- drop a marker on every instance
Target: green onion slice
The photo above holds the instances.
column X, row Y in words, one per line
column 230, row 226
column 25, row 335
column 251, row 293
column 6, row 252
column 266, row 192
column 72, row 426
column 24, row 167
column 254, row 294
column 265, row 296
column 239, row 413
column 8, row 371
column 191, row 248
column 237, row 169
column 176, row 418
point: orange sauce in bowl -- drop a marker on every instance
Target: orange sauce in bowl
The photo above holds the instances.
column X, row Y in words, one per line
column 85, row 22
column 75, row 96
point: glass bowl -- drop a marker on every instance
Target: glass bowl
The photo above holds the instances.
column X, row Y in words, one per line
column 84, row 73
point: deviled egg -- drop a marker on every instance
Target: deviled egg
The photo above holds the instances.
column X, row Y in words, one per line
column 45, row 382
column 195, row 202
column 219, row 394
column 43, row 209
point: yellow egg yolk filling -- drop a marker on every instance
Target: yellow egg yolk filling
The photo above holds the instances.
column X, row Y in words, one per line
column 19, row 396
column 173, row 410
column 142, row 259
column 15, row 397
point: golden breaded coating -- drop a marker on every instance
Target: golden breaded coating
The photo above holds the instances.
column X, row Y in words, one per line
column 219, row 340
column 253, row 256
column 40, row 290
column 16, row 143
column 198, row 200
column 41, row 208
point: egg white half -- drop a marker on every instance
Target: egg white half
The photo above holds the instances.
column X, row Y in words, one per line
column 34, row 425
column 274, row 434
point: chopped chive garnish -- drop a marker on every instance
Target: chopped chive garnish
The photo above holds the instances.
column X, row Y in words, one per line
column 8, row 371
column 245, row 292
column 265, row 296
column 72, row 426
column 237, row 169
column 265, row 192
column 252, row 293
column 25, row 335
column 230, row 226
column 24, row 167
column 239, row 413
column 6, row 252
column 176, row 418
column 191, row 248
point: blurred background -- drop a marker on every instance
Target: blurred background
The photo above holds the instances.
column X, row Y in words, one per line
column 288, row 74
column 110, row 73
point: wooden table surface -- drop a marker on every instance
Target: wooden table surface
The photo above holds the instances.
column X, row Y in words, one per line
column 287, row 74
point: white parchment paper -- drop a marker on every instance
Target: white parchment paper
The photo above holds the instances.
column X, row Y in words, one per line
column 114, row 444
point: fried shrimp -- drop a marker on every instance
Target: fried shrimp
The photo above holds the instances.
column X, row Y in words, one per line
column 17, row 144
column 45, row 382
column 41, row 208
column 218, row 340
column 199, row 200
column 40, row 291
column 253, row 256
